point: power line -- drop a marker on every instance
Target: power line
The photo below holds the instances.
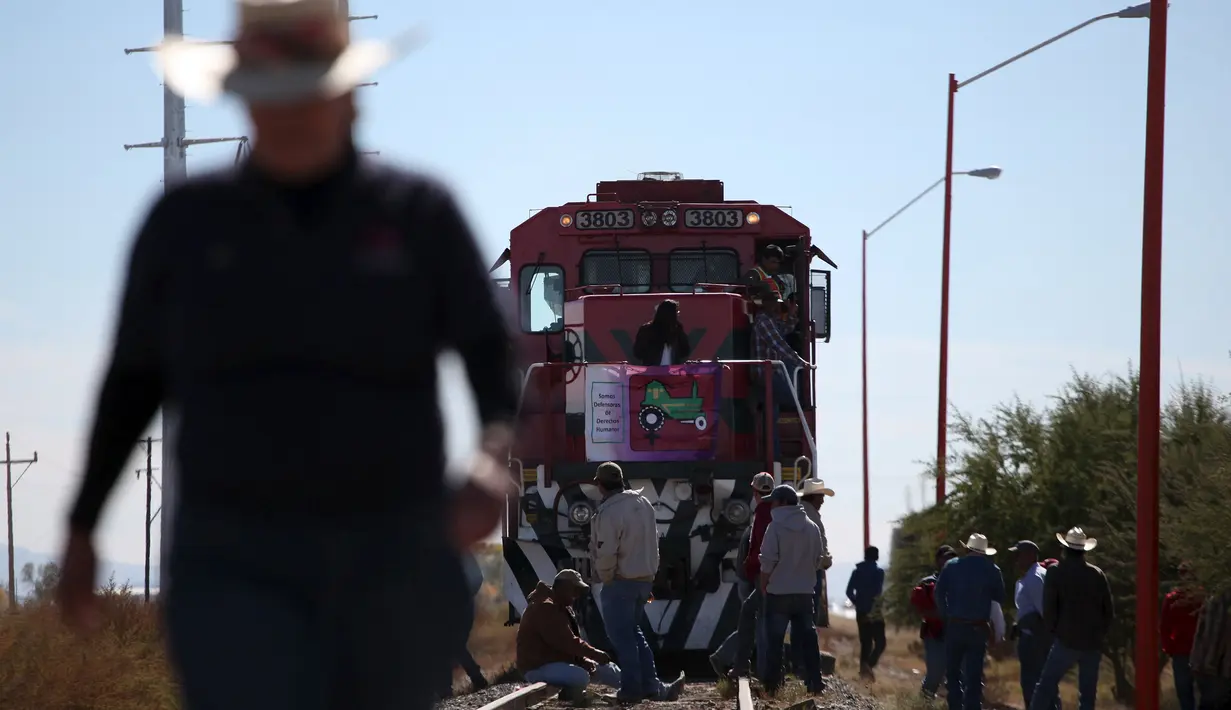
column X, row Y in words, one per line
column 8, row 490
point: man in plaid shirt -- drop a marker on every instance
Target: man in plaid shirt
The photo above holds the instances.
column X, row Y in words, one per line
column 769, row 332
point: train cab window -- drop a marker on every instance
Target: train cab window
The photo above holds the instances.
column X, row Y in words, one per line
column 689, row 267
column 628, row 268
column 542, row 298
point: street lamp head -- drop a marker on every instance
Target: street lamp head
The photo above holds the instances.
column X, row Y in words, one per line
column 989, row 173
column 1136, row 12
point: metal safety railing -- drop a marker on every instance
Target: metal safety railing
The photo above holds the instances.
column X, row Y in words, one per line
column 791, row 379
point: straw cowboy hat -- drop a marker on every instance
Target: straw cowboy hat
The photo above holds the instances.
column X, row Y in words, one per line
column 1075, row 539
column 978, row 544
column 284, row 50
column 814, row 487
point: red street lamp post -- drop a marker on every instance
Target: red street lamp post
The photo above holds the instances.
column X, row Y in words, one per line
column 942, row 404
column 988, row 173
column 1148, row 400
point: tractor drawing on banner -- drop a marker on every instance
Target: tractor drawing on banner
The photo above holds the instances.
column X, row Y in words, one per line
column 658, row 406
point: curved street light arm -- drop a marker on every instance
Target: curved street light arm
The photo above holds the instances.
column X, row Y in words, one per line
column 1037, row 47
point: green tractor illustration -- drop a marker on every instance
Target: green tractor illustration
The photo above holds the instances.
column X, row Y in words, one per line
column 658, row 406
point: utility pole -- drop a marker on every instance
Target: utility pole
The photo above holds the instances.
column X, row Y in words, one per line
column 149, row 500
column 174, row 144
column 8, row 490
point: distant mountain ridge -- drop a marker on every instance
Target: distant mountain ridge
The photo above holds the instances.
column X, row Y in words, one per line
column 125, row 573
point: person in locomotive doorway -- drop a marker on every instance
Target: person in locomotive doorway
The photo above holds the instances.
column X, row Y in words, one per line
column 291, row 311
column 735, row 653
column 624, row 550
column 932, row 628
column 549, row 644
column 965, row 590
column 791, row 554
column 1178, row 626
column 1077, row 612
column 764, row 277
column 769, row 343
column 864, row 590
column 1033, row 641
column 663, row 341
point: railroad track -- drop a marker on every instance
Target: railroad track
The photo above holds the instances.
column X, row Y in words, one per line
column 536, row 694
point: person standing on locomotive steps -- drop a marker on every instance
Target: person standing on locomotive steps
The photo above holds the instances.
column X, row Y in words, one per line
column 624, row 549
column 291, row 311
column 735, row 653
column 1077, row 612
column 965, row 591
column 663, row 341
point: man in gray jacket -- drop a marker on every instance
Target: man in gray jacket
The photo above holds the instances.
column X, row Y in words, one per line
column 624, row 549
column 791, row 553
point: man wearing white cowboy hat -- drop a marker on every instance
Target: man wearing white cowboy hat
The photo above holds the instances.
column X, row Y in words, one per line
column 812, row 495
column 292, row 311
column 1077, row 612
column 965, row 592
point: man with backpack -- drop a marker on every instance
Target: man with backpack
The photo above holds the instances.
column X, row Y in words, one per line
column 932, row 629
column 735, row 653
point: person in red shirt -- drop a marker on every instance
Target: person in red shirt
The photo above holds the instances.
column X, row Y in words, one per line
column 735, row 653
column 931, row 631
column 1178, row 626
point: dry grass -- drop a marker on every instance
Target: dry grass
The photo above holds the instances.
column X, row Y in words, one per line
column 122, row 667
column 900, row 672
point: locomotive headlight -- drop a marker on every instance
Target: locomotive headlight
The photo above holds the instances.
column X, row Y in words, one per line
column 752, row 218
column 683, row 490
column 580, row 513
column 736, row 511
column 649, row 219
column 566, row 220
column 669, row 218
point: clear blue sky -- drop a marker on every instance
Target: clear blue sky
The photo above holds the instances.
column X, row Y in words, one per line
column 835, row 108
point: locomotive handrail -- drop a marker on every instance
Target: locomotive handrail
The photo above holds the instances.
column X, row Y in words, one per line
column 803, row 458
column 803, row 421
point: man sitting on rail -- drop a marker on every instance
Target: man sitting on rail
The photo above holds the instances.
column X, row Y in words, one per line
column 549, row 645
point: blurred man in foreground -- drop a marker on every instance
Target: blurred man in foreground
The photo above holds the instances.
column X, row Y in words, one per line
column 292, row 311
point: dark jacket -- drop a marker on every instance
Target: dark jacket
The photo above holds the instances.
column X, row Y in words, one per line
column 312, row 314
column 548, row 633
column 648, row 348
column 866, row 584
column 966, row 588
column 1077, row 606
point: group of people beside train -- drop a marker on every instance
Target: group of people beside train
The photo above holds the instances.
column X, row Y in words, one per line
column 781, row 569
column 1064, row 612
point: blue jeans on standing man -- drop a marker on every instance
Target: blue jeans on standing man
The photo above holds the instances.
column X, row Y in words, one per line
column 795, row 610
column 1183, row 682
column 965, row 650
column 1032, row 650
column 1059, row 660
column 623, row 601
column 934, row 663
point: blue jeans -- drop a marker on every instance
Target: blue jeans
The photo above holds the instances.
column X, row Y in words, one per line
column 330, row 612
column 1031, row 656
column 796, row 610
column 1183, row 682
column 567, row 675
column 965, row 649
column 934, row 661
column 623, row 602
column 1059, row 660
